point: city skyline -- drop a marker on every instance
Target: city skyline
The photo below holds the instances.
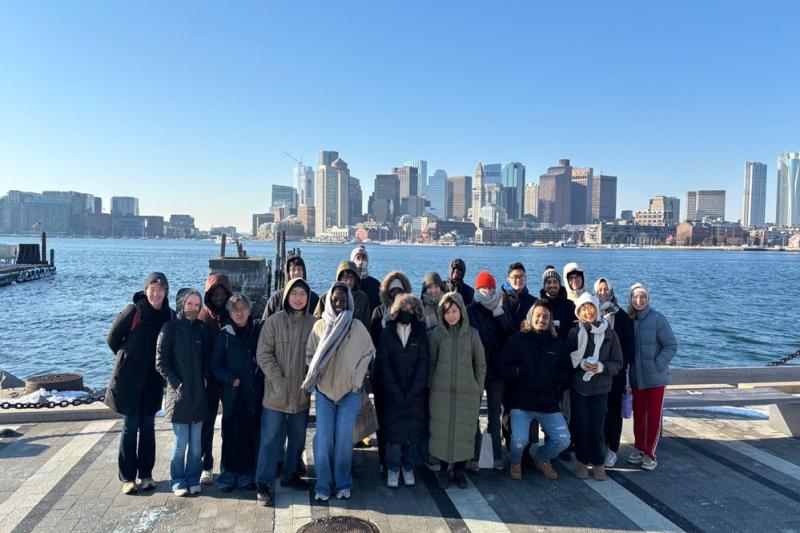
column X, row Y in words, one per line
column 115, row 101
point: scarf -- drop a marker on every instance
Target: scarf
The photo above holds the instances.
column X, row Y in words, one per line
column 430, row 303
column 599, row 332
column 335, row 329
column 492, row 303
column 608, row 309
column 573, row 294
column 363, row 268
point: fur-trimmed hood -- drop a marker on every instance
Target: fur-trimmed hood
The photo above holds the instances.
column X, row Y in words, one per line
column 387, row 283
column 405, row 299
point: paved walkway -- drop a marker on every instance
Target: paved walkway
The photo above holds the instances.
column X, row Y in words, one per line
column 719, row 471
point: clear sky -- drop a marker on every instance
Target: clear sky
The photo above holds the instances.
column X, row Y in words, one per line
column 190, row 105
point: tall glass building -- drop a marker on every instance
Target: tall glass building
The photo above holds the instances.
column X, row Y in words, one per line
column 787, row 212
column 754, row 199
column 435, row 194
column 514, row 179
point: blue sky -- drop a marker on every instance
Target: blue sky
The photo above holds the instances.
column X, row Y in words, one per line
column 190, row 105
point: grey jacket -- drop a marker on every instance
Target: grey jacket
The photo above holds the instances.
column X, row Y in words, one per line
column 655, row 347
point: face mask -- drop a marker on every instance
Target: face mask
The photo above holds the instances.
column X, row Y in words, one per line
column 363, row 267
column 404, row 317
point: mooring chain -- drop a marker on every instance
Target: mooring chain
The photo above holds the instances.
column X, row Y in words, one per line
column 784, row 360
column 51, row 405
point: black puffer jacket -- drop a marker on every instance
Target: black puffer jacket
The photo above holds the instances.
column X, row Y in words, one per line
column 494, row 330
column 182, row 355
column 563, row 312
column 234, row 356
column 403, row 376
column 135, row 383
column 537, row 371
column 516, row 305
column 610, row 356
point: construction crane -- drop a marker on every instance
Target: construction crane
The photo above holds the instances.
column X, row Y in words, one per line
column 299, row 161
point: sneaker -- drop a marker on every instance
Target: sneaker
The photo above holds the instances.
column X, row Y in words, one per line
column 460, row 477
column 611, row 459
column 581, row 471
column 636, row 458
column 599, row 473
column 207, row 478
column 516, row 471
column 546, row 469
column 295, row 482
column 393, row 479
column 473, row 465
column 129, row 487
column 444, row 478
column 343, row 494
column 499, row 465
column 321, row 497
column 408, row 477
column 649, row 464
column 433, row 465
column 147, row 483
column 264, row 496
column 180, row 493
column 195, row 490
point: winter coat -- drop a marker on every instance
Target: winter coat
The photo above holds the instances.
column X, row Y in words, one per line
column 182, row 355
column 467, row 293
column 456, row 378
column 282, row 356
column 516, row 305
column 361, row 310
column 380, row 313
column 610, row 356
column 136, row 387
column 214, row 319
column 402, row 372
column 655, row 346
column 371, row 287
column 537, row 370
column 493, row 331
column 623, row 327
column 275, row 302
column 563, row 312
column 234, row 356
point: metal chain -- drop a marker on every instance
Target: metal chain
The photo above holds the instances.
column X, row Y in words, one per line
column 784, row 360
column 51, row 405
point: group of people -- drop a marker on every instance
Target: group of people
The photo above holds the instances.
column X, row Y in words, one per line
column 568, row 361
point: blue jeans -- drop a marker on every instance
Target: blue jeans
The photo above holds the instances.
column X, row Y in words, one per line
column 276, row 428
column 185, row 466
column 137, row 457
column 554, row 426
column 333, row 441
column 228, row 479
column 401, row 454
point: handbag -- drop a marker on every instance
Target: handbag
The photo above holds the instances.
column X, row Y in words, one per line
column 627, row 397
column 367, row 420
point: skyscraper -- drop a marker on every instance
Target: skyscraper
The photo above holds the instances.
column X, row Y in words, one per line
column 531, row 199
column 514, row 182
column 492, row 173
column 754, row 198
column 436, row 192
column 604, row 198
column 124, row 206
column 700, row 204
column 356, row 201
column 331, row 193
column 787, row 211
column 555, row 194
column 409, row 179
column 478, row 195
column 581, row 201
column 284, row 196
column 459, row 197
column 422, row 174
column 304, row 183
column 386, row 198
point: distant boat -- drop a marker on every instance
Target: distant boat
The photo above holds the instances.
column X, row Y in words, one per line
column 517, row 244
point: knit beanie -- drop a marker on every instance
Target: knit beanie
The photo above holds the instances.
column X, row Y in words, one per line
column 641, row 287
column 587, row 298
column 358, row 249
column 484, row 279
column 396, row 284
column 458, row 264
column 550, row 272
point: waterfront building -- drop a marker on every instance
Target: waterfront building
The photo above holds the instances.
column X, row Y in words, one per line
column 581, row 195
column 531, row 203
column 754, row 196
column 604, row 198
column 702, row 204
column 124, row 206
column 787, row 210
column 331, row 192
column 555, row 194
column 458, row 197
column 435, row 193
column 514, row 183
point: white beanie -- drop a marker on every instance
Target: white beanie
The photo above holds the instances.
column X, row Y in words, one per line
column 587, row 298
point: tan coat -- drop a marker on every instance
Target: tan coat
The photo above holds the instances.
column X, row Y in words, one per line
column 348, row 366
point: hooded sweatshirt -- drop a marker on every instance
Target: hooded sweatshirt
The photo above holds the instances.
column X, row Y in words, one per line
column 467, row 293
column 380, row 316
column 369, row 285
column 430, row 303
column 571, row 294
column 275, row 302
column 563, row 311
column 361, row 306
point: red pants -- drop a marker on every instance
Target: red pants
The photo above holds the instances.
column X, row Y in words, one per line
column 648, row 405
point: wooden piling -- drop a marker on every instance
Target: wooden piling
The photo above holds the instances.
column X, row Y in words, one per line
column 44, row 249
column 222, row 245
column 52, row 257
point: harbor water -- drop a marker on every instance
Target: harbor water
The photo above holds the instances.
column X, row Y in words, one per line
column 727, row 308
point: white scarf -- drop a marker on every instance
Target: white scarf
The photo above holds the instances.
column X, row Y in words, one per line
column 599, row 332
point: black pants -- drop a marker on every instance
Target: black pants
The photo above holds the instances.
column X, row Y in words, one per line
column 213, row 395
column 137, row 445
column 613, row 425
column 588, row 423
column 494, row 404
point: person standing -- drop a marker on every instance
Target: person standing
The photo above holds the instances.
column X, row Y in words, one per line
column 182, row 360
column 575, row 281
column 555, row 294
column 455, row 282
column 517, row 300
column 655, row 347
column 618, row 319
column 402, row 371
column 596, row 356
column 368, row 284
column 432, row 291
column 217, row 291
column 338, row 355
column 486, row 315
column 348, row 273
column 456, row 375
column 295, row 268
column 136, row 388
column 234, row 366
column 282, row 356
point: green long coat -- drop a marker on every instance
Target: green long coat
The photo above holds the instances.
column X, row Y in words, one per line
column 456, row 375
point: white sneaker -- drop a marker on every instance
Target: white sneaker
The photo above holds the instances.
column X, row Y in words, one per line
column 180, row 493
column 207, row 478
column 195, row 490
column 343, row 494
column 408, row 478
column 611, row 459
column 636, row 458
column 393, row 479
column 649, row 464
column 321, row 497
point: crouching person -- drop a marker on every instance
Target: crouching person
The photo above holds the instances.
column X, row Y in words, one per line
column 537, row 371
column 233, row 365
column 402, row 370
column 182, row 359
column 282, row 356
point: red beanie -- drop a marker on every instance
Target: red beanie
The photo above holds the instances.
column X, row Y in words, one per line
column 484, row 279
